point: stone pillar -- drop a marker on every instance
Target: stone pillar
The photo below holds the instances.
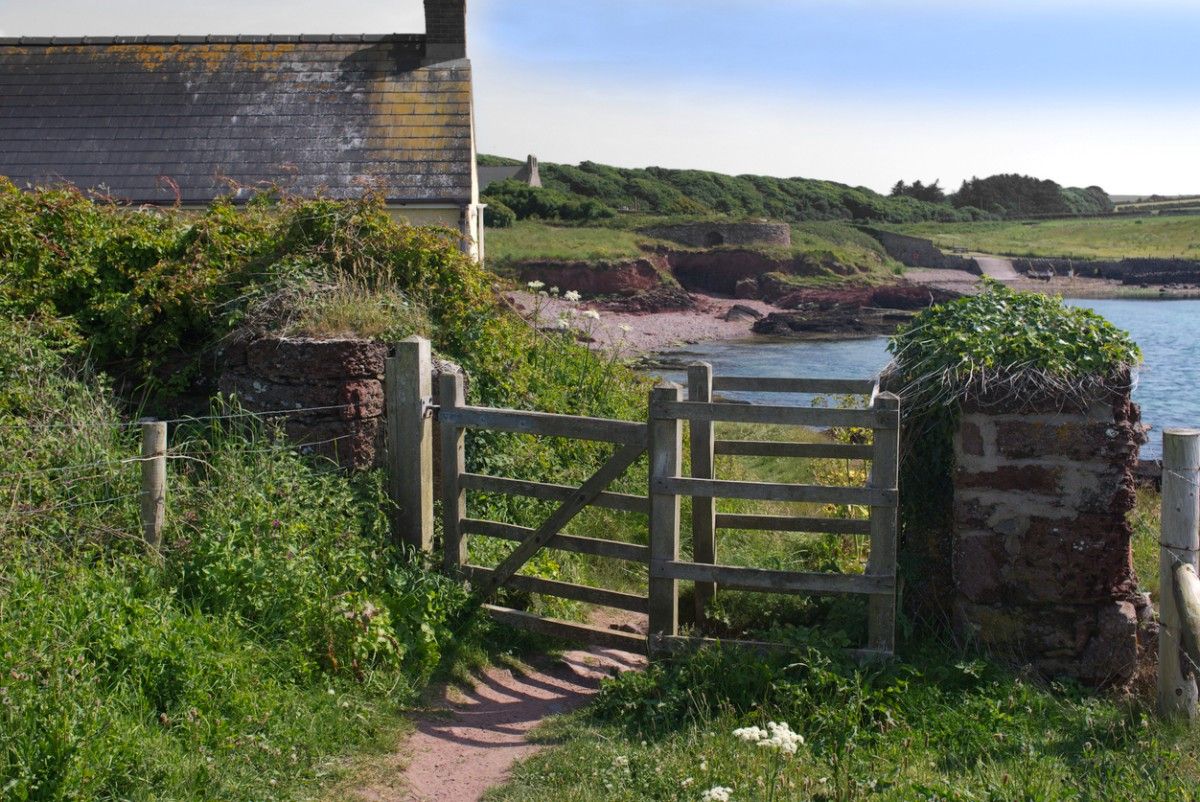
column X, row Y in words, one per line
column 1042, row 564
column 335, row 386
column 339, row 382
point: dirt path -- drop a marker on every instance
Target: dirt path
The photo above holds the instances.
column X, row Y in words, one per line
column 472, row 741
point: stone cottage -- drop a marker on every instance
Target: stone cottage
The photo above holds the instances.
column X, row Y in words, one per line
column 184, row 119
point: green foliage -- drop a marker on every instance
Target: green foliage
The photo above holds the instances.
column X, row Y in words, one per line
column 1004, row 340
column 659, row 191
column 1011, row 195
column 1114, row 237
column 540, row 203
column 280, row 630
column 497, row 214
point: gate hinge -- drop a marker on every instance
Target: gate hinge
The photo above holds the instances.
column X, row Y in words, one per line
column 428, row 408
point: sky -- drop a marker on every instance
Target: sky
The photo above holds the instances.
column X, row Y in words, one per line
column 865, row 92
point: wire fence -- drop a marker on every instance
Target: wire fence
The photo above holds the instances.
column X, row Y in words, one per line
column 73, row 482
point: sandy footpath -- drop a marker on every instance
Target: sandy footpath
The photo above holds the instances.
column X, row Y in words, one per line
column 469, row 740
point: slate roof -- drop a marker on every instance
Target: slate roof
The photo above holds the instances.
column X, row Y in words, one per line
column 138, row 116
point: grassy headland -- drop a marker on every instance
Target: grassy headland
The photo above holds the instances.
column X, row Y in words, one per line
column 1089, row 238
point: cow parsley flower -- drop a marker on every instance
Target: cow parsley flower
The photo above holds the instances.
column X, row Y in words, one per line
column 535, row 285
column 571, row 295
column 775, row 736
column 718, row 793
column 591, row 314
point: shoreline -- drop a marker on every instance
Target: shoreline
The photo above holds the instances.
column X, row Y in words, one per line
column 641, row 334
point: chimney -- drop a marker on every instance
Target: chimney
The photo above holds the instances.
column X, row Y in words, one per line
column 445, row 30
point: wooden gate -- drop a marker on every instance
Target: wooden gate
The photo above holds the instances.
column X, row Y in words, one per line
column 455, row 417
column 880, row 495
column 663, row 437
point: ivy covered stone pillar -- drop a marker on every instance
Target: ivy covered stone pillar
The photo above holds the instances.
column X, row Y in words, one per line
column 1020, row 446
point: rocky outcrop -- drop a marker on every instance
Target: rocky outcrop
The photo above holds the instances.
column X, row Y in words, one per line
column 598, row 278
column 721, row 272
column 846, row 310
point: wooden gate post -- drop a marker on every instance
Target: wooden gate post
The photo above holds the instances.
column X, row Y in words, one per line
column 154, row 485
column 454, row 465
column 704, row 508
column 1177, row 693
column 666, row 455
column 881, row 622
column 408, row 393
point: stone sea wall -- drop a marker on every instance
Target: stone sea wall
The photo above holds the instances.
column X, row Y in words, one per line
column 1042, row 565
column 711, row 235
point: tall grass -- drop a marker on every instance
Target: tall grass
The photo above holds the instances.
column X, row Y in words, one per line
column 282, row 629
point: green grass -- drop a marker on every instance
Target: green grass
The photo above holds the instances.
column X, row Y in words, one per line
column 935, row 726
column 835, row 249
column 1093, row 238
column 532, row 240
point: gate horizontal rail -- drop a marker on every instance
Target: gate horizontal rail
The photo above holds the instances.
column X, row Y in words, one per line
column 737, row 577
column 756, row 448
column 545, row 424
column 789, row 416
column 767, row 491
column 784, row 523
column 782, row 385
column 544, row 491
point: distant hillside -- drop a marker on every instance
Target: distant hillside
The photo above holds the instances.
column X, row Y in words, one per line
column 660, row 191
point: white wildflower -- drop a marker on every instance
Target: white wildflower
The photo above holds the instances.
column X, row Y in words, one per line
column 535, row 285
column 563, row 323
column 625, row 328
column 571, row 295
column 591, row 314
column 775, row 736
column 686, row 782
column 554, row 290
column 718, row 793
column 620, row 761
column 703, row 765
column 752, row 734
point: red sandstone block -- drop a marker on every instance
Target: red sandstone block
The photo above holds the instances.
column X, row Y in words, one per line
column 302, row 361
column 1076, row 439
column 357, row 398
column 1046, row 480
column 978, row 558
column 354, row 445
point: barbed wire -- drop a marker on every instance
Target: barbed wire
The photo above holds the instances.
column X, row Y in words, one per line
column 184, row 455
column 275, row 413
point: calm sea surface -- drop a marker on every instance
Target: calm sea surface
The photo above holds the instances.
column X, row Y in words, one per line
column 1167, row 331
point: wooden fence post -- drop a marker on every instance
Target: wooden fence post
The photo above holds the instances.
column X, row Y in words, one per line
column 408, row 390
column 666, row 455
column 1180, row 541
column 154, row 485
column 881, row 622
column 454, row 465
column 704, row 508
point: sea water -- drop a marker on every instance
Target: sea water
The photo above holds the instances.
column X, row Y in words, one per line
column 1167, row 331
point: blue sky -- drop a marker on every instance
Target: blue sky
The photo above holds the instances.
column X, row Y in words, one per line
column 861, row 91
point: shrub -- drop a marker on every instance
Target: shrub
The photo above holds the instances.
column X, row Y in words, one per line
column 497, row 214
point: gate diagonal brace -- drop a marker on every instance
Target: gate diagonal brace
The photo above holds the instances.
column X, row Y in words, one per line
column 572, row 506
